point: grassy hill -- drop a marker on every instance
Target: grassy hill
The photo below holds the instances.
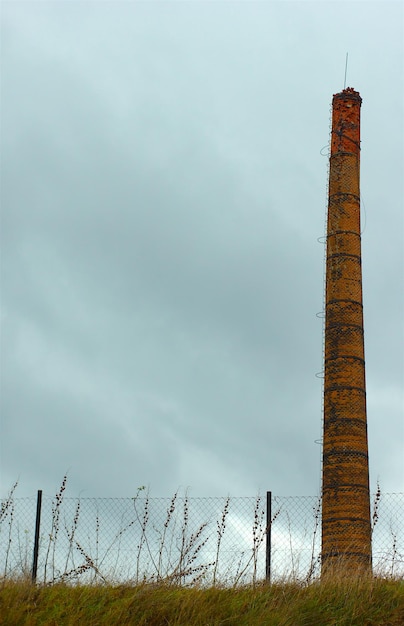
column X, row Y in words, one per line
column 376, row 602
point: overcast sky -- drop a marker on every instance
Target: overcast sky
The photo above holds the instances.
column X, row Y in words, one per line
column 163, row 188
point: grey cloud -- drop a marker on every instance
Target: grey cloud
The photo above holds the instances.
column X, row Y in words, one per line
column 162, row 194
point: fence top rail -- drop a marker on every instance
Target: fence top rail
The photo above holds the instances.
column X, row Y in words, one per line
column 185, row 497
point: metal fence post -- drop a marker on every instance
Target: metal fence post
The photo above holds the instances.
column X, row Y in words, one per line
column 268, row 537
column 37, row 529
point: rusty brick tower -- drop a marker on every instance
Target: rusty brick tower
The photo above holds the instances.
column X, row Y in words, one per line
column 346, row 528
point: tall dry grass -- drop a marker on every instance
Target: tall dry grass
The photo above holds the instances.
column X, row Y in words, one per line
column 174, row 550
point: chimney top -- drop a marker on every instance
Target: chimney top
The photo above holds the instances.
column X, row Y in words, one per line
column 348, row 94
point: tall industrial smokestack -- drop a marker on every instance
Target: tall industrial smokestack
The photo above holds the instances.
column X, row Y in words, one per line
column 346, row 528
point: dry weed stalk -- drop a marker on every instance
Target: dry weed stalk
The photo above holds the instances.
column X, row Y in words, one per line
column 221, row 527
column 315, row 560
column 7, row 512
column 56, row 507
column 259, row 531
column 71, row 533
column 376, row 506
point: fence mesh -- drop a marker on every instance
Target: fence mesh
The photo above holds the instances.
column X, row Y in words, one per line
column 182, row 539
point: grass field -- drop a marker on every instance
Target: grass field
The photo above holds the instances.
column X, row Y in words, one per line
column 375, row 602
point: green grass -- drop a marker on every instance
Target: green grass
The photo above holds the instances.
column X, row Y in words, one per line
column 361, row 602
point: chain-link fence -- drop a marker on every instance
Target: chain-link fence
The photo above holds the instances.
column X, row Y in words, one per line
column 182, row 539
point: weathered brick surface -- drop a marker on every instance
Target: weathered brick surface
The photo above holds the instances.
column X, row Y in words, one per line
column 346, row 529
